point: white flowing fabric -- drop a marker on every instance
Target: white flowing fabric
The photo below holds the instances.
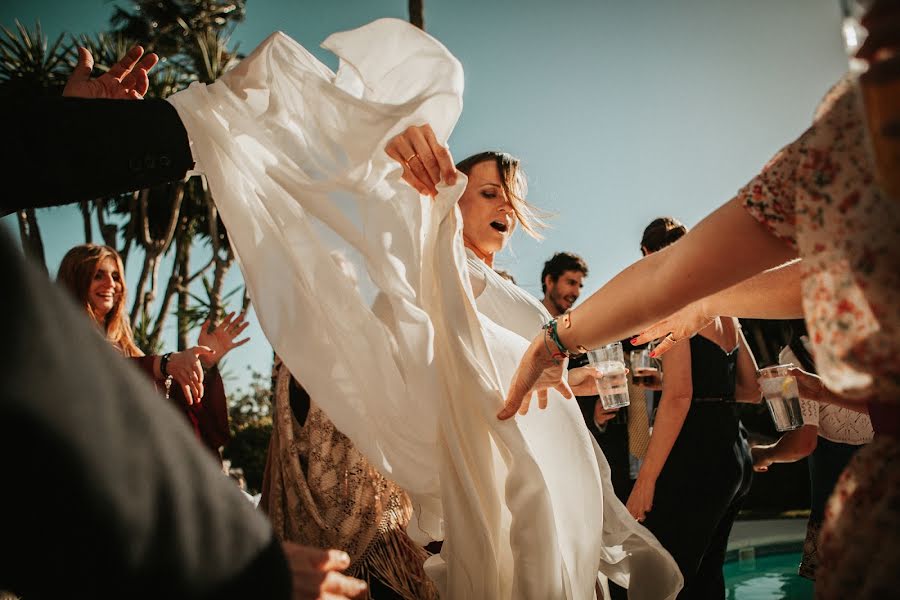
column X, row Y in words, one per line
column 294, row 155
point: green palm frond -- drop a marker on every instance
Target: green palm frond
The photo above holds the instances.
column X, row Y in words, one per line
column 29, row 63
column 106, row 48
column 213, row 55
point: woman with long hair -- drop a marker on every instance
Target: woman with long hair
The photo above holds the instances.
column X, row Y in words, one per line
column 95, row 276
column 411, row 361
column 367, row 515
column 697, row 469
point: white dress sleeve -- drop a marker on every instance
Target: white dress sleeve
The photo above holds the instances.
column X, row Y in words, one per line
column 294, row 156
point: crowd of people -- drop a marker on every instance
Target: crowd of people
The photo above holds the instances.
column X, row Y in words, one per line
column 390, row 471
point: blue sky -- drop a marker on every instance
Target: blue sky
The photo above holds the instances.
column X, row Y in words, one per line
column 620, row 111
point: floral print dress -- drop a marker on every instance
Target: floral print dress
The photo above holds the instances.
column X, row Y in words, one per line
column 819, row 195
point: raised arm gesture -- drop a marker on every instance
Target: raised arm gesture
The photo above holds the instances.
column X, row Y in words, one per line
column 125, row 80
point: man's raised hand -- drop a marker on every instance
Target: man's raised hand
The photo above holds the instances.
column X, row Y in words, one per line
column 125, row 80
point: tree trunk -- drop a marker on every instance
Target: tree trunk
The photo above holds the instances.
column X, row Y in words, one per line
column 150, row 295
column 30, row 234
column 153, row 248
column 222, row 256
column 183, row 266
column 85, row 207
column 108, row 231
column 215, row 297
column 139, row 291
column 417, row 13
column 172, row 287
column 130, row 233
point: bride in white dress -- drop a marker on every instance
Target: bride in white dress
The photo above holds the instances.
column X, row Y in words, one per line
column 295, row 158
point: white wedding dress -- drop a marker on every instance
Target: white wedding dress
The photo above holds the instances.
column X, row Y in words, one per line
column 294, row 156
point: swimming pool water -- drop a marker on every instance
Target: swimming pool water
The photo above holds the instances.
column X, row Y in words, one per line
column 770, row 577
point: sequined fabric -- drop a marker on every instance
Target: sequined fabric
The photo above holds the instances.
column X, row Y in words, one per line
column 321, row 492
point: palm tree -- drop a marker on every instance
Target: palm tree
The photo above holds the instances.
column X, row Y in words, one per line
column 30, row 66
column 417, row 13
column 168, row 26
column 194, row 38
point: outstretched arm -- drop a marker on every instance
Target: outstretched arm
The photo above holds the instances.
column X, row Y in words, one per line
column 91, row 144
column 773, row 294
column 686, row 271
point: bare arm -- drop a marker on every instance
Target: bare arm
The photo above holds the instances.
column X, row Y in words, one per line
column 792, row 446
column 747, row 389
column 773, row 294
column 686, row 271
column 811, row 387
column 673, row 408
column 703, row 262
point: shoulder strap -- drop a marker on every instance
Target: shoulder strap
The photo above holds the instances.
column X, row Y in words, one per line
column 802, row 354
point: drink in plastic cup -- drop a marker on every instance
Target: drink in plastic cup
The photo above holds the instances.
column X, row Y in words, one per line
column 613, row 385
column 782, row 396
column 644, row 368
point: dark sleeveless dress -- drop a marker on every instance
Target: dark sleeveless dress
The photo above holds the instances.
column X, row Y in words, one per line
column 706, row 476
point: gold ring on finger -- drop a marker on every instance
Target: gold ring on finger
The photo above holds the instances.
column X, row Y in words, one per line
column 414, row 155
column 671, row 338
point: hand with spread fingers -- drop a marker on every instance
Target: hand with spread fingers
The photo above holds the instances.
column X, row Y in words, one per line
column 221, row 339
column 426, row 162
column 680, row 326
column 538, row 372
column 315, row 574
column 125, row 80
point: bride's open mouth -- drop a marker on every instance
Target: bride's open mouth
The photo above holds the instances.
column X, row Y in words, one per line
column 500, row 226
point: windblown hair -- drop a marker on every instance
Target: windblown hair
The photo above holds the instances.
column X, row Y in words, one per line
column 662, row 232
column 558, row 264
column 76, row 272
column 515, row 186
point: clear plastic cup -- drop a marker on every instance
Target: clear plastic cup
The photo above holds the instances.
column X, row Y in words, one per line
column 644, row 368
column 782, row 396
column 613, row 385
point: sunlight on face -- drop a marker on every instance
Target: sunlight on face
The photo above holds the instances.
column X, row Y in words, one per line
column 106, row 287
column 565, row 291
column 488, row 218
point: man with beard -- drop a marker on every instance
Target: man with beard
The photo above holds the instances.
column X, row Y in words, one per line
column 561, row 281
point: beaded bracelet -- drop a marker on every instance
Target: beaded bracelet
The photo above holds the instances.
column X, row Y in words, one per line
column 554, row 355
column 553, row 334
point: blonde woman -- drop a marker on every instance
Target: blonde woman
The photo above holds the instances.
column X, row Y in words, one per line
column 95, row 276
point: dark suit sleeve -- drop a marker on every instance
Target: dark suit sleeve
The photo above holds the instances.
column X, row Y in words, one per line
column 106, row 494
column 64, row 150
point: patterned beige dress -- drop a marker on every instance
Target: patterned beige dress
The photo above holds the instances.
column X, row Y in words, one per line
column 318, row 490
column 818, row 194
